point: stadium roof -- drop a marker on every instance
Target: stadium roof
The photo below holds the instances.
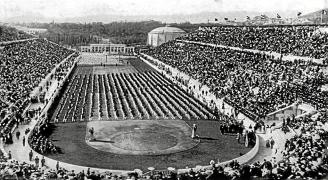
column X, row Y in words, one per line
column 167, row 29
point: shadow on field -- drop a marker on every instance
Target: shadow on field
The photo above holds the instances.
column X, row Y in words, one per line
column 104, row 141
column 208, row 138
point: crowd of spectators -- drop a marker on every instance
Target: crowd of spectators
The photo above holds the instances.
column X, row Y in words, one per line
column 3, row 105
column 63, row 68
column 12, row 169
column 12, row 34
column 229, row 124
column 39, row 139
column 254, row 83
column 23, row 66
column 296, row 40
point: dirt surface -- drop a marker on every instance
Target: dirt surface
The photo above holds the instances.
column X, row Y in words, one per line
column 140, row 137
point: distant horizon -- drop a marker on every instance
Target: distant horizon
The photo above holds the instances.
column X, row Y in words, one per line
column 61, row 10
column 196, row 18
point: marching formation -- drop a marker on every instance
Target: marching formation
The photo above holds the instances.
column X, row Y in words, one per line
column 113, row 96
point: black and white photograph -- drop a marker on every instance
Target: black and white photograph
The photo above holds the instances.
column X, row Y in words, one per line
column 163, row 89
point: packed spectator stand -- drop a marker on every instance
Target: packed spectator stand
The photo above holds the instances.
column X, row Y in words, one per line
column 254, row 83
column 26, row 64
column 23, row 65
column 296, row 40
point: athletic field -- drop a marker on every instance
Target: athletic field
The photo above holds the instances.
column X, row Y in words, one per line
column 140, row 118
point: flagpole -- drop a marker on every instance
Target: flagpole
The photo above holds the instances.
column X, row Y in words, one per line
column 321, row 17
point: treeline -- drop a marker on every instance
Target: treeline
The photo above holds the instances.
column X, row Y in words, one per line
column 11, row 34
column 76, row 34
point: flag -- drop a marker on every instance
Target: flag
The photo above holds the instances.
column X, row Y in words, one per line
column 278, row 16
column 216, row 19
column 226, row 19
column 299, row 13
column 248, row 18
column 324, row 12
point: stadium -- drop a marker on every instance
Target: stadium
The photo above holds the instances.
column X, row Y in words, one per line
column 210, row 101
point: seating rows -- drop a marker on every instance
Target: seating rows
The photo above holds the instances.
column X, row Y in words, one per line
column 296, row 40
column 254, row 83
column 23, row 66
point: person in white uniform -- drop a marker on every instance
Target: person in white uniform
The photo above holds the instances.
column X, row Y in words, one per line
column 193, row 133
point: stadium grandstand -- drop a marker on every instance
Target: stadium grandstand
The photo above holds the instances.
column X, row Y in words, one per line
column 221, row 102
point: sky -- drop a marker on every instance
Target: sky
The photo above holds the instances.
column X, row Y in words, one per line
column 78, row 8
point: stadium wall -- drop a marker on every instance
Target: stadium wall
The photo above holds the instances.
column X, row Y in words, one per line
column 283, row 113
column 294, row 109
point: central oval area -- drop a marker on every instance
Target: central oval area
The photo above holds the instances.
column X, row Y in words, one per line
column 140, row 137
column 143, row 140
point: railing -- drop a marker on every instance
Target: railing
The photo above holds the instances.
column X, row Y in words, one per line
column 293, row 109
column 282, row 113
